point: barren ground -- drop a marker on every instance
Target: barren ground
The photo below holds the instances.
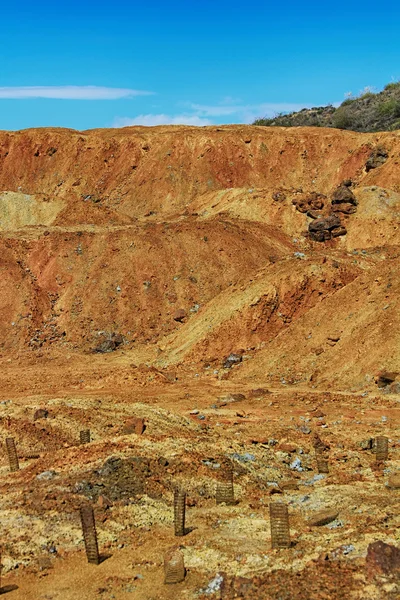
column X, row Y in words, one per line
column 185, row 245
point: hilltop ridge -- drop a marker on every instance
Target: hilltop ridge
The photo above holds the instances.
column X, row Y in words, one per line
column 368, row 112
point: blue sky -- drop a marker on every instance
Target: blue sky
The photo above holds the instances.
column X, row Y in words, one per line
column 105, row 64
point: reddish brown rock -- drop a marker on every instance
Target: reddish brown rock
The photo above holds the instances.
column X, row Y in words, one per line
column 179, row 315
column 291, row 484
column 342, row 195
column 346, row 208
column 386, row 378
column 382, row 559
column 326, row 223
column 133, row 425
column 394, row 481
column 40, row 413
column 339, row 231
column 287, row 447
column 323, row 517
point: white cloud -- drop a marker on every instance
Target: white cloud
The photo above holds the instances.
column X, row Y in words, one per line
column 162, row 119
column 70, row 92
column 246, row 113
column 207, row 114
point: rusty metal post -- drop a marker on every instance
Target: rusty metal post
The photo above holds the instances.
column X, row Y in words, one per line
column 89, row 534
column 179, row 512
column 174, row 566
column 12, row 454
column 84, row 436
column 279, row 519
column 382, row 444
column 321, row 458
column 225, row 491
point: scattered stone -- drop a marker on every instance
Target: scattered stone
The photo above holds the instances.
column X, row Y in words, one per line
column 394, row 481
column 179, row 315
column 231, row 398
column 134, row 425
column 246, row 457
column 287, row 447
column 318, row 413
column 385, row 378
column 346, row 208
column 314, row 214
column 232, row 359
column 314, row 479
column 323, row 518
column 366, row 444
column 279, row 196
column 194, row 412
column 110, row 344
column 291, row 484
column 339, row 231
column 45, row 475
column 295, row 465
column 103, row 502
column 258, row 392
column 334, row 337
column 40, row 413
column 305, row 429
column 214, row 585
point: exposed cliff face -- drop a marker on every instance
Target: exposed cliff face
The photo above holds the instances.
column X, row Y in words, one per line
column 113, row 231
column 135, row 171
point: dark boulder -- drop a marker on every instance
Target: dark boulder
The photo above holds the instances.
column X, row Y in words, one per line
column 385, row 378
column 376, row 158
column 326, row 223
column 110, row 344
column 343, row 195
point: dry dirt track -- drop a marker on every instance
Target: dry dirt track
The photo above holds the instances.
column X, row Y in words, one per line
column 187, row 244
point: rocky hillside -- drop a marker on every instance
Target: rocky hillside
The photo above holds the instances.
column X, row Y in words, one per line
column 368, row 113
column 182, row 245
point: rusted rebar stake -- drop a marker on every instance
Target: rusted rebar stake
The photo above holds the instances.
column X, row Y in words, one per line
column 382, row 444
column 225, row 490
column 84, row 436
column 174, row 566
column 179, row 512
column 12, row 454
column 89, row 534
column 321, row 459
column 279, row 519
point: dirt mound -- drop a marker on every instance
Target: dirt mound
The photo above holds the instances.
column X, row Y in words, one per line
column 113, row 233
